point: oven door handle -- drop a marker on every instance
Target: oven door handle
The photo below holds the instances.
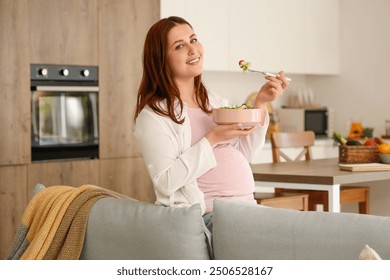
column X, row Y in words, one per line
column 68, row 88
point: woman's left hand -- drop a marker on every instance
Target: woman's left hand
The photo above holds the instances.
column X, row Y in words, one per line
column 271, row 90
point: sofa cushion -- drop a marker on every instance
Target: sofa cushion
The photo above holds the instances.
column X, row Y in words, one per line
column 369, row 254
column 134, row 230
column 246, row 231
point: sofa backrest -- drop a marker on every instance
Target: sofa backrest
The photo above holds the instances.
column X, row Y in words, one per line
column 134, row 230
column 247, row 231
column 120, row 228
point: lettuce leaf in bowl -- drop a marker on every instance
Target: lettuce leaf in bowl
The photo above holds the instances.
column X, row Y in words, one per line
column 242, row 106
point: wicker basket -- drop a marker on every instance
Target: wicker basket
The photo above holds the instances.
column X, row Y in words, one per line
column 358, row 154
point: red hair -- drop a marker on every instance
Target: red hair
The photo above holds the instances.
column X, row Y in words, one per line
column 157, row 82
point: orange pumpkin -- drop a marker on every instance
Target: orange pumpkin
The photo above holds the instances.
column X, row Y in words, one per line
column 384, row 148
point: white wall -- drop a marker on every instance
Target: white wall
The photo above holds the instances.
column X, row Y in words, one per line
column 360, row 91
column 238, row 86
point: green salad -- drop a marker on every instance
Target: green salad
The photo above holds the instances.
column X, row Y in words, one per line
column 242, row 106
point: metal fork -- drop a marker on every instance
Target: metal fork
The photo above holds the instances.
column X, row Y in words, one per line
column 267, row 74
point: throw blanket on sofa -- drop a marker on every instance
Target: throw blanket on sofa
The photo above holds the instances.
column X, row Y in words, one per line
column 54, row 223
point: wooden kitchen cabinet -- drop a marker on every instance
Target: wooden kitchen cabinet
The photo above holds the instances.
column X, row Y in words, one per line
column 63, row 32
column 107, row 33
column 13, row 200
column 124, row 175
column 127, row 176
column 14, row 84
column 122, row 29
column 300, row 37
column 70, row 173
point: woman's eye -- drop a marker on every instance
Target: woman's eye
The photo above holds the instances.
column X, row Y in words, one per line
column 194, row 40
column 178, row 47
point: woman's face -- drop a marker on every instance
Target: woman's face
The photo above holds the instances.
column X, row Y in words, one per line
column 184, row 52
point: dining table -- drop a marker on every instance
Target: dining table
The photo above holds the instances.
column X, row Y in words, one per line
column 318, row 174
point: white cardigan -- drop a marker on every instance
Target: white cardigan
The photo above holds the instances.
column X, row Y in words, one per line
column 173, row 164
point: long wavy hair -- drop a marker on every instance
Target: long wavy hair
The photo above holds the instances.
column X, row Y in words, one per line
column 157, row 82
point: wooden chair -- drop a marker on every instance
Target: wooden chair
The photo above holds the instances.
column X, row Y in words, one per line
column 297, row 201
column 305, row 140
column 289, row 199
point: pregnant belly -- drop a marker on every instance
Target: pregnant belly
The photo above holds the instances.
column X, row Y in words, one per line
column 231, row 177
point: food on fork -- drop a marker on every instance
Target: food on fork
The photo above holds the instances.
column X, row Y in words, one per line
column 245, row 67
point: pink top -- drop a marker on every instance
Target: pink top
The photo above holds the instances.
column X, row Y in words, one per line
column 232, row 179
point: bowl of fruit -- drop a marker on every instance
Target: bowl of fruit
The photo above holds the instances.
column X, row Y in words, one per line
column 384, row 152
column 244, row 115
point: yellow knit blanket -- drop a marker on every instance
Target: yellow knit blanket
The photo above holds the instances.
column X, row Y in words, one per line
column 54, row 223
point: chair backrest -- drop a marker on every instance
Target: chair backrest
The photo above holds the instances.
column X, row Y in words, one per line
column 282, row 140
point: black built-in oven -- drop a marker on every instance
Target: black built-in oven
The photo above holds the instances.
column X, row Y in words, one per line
column 64, row 104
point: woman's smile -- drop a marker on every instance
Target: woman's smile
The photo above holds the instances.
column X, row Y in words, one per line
column 194, row 61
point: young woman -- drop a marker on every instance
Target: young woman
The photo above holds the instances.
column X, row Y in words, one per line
column 189, row 158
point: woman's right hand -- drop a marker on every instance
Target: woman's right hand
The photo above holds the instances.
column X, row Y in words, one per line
column 226, row 132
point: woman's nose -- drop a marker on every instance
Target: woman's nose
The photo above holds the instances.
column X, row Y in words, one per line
column 191, row 50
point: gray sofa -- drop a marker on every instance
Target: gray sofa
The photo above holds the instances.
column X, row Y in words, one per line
column 136, row 230
column 130, row 229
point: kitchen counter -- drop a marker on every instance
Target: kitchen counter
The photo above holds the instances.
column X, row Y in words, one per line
column 323, row 148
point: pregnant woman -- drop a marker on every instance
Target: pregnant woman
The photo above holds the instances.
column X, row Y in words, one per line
column 190, row 159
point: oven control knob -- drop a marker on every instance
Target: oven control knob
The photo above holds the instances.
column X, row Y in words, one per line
column 43, row 72
column 85, row 72
column 64, row 72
